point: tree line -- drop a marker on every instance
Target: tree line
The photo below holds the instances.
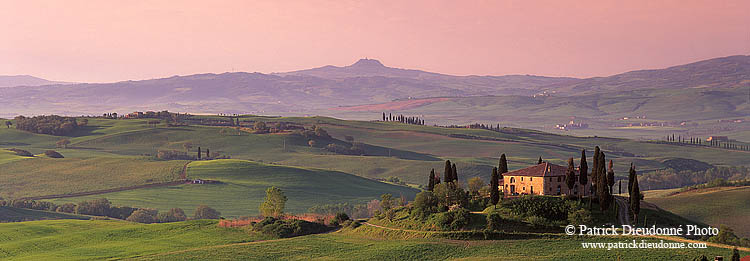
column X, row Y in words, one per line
column 403, row 119
column 47, row 124
column 712, row 143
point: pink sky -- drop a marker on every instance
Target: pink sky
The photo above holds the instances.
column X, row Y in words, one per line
column 102, row 41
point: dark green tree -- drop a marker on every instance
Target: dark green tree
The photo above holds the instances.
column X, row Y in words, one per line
column 735, row 255
column 503, row 165
column 199, row 152
column 595, row 168
column 610, row 177
column 448, row 172
column 454, row 174
column 570, row 175
column 582, row 173
column 635, row 198
column 602, row 190
column 494, row 184
column 431, row 181
column 631, row 177
column 540, row 161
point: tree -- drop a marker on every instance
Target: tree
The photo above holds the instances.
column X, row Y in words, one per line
column 582, row 172
column 431, row 181
column 475, row 184
column 631, row 176
column 602, row 189
column 595, row 167
column 540, row 161
column 425, row 203
column 187, row 146
column 199, row 152
column 62, row 143
column 454, row 174
column 205, row 212
column 143, row 216
column 448, row 172
column 273, row 204
column 208, row 154
column 8, row 124
column 610, row 177
column 173, row 215
column 635, row 198
column 386, row 202
column 494, row 184
column 570, row 175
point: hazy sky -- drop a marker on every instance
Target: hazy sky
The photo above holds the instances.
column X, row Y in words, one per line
column 101, row 41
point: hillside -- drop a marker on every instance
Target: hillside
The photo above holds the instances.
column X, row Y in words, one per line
column 24, row 80
column 714, row 206
column 370, row 82
column 240, row 187
column 202, row 239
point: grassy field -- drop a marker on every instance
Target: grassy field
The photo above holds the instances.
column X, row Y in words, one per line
column 41, row 176
column 96, row 240
column 242, row 188
column 354, row 246
column 714, row 206
column 203, row 240
column 10, row 214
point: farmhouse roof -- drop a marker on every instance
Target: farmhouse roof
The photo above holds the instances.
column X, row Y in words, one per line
column 542, row 170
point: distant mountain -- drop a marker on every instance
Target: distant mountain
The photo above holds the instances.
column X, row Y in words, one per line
column 731, row 72
column 24, row 80
column 365, row 82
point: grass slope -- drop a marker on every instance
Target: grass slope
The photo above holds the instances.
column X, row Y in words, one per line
column 97, row 240
column 41, row 176
column 714, row 206
column 242, row 188
column 11, row 214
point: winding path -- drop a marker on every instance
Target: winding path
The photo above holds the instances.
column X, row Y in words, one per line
column 623, row 216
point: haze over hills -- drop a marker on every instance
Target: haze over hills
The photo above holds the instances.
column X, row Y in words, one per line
column 717, row 86
column 24, row 80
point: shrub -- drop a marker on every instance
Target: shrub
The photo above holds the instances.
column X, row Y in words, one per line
column 451, row 220
column 173, row 215
column 97, row 207
column 538, row 221
column 173, row 155
column 288, row 228
column 494, row 221
column 552, row 208
column 341, row 217
column 205, row 212
column 53, row 154
column 66, row 208
column 579, row 217
column 21, row 152
column 424, row 205
column 143, row 216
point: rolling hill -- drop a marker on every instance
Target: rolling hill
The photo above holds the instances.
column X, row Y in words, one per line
column 714, row 206
column 370, row 82
column 24, row 80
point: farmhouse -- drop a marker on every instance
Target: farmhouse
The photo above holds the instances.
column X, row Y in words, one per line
column 542, row 179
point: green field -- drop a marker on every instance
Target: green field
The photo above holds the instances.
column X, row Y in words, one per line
column 10, row 214
column 86, row 240
column 89, row 240
column 242, row 186
column 714, row 206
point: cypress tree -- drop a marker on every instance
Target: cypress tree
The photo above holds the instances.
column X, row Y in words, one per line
column 602, row 190
column 583, row 169
column 635, row 198
column 494, row 184
column 570, row 175
column 383, row 116
column 503, row 167
column 610, row 177
column 540, row 161
column 448, row 172
column 595, row 168
column 431, row 181
column 454, row 173
column 199, row 152
column 631, row 177
column 208, row 155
